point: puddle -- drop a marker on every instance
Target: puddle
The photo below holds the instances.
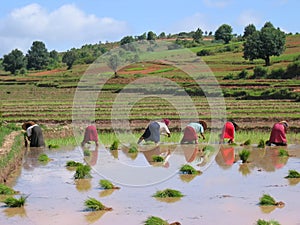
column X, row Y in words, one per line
column 225, row 192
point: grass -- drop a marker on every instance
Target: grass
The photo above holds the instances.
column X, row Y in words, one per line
column 14, row 202
column 82, row 171
column 293, row 174
column 5, row 190
column 168, row 193
column 188, row 169
column 244, row 155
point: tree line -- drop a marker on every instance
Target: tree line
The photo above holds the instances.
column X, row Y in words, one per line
column 257, row 44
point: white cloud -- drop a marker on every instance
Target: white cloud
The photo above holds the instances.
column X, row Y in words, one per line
column 217, row 3
column 249, row 17
column 63, row 28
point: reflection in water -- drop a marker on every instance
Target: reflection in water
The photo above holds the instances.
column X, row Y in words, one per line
column 293, row 181
column 225, row 157
column 93, row 216
column 18, row 211
column 31, row 158
column 158, row 151
column 267, row 208
column 169, row 199
column 107, row 192
column 187, row 177
column 244, row 169
column 83, row 184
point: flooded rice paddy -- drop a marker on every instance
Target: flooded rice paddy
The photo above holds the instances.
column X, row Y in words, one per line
column 225, row 192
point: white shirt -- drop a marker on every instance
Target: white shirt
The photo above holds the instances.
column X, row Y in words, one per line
column 29, row 130
column 163, row 128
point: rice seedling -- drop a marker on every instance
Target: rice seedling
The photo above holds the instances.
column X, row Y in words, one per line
column 269, row 200
column 43, row 158
column 5, row 190
column 283, row 152
column 244, row 155
column 168, row 193
column 157, row 158
column 261, row 143
column 14, row 202
column 153, row 220
column 114, row 145
column 82, row 171
column 293, row 174
column 188, row 169
column 53, row 146
column 247, row 142
column 86, row 152
column 95, row 205
column 106, row 184
column 264, row 222
column 73, row 164
column 133, row 148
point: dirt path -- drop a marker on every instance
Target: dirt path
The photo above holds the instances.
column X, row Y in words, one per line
column 8, row 142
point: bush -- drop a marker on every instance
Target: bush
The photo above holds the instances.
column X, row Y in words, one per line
column 204, row 52
column 293, row 70
column 277, row 74
column 259, row 72
column 243, row 74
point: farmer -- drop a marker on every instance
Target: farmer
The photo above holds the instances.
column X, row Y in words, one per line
column 154, row 130
column 229, row 131
column 90, row 134
column 278, row 134
column 190, row 134
column 33, row 135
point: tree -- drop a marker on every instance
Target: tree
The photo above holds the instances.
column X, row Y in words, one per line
column 37, row 56
column 265, row 43
column 126, row 40
column 114, row 61
column 162, row 35
column 14, row 61
column 224, row 32
column 249, row 30
column 69, row 58
column 151, row 36
column 198, row 35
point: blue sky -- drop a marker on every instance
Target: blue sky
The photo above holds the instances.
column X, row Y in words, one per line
column 64, row 24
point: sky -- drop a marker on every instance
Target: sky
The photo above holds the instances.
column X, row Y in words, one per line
column 66, row 24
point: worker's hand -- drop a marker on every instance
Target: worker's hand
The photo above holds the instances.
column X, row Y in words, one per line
column 169, row 135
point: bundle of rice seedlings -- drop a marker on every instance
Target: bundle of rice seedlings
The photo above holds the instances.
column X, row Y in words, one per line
column 153, row 220
column 133, row 149
column 82, row 171
column 188, row 169
column 244, row 155
column 293, row 174
column 86, row 152
column 267, row 200
column 43, row 158
column 73, row 164
column 283, row 152
column 114, row 145
column 5, row 190
column 157, row 158
column 261, row 143
column 263, row 222
column 13, row 202
column 94, row 205
column 247, row 142
column 168, row 193
column 106, row 184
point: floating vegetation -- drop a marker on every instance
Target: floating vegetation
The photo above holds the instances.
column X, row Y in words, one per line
column 114, row 145
column 244, row 155
column 14, row 202
column 263, row 222
column 5, row 190
column 247, row 142
column 82, row 171
column 188, row 169
column 269, row 200
column 261, row 143
column 73, row 164
column 94, row 205
column 43, row 158
column 168, row 193
column 106, row 184
column 86, row 152
column 157, row 158
column 293, row 174
column 283, row 152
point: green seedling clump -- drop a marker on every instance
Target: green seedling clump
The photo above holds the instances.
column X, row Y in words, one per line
column 73, row 164
column 263, row 222
column 293, row 174
column 86, row 152
column 82, row 171
column 283, row 152
column 244, row 155
column 106, row 184
column 267, row 200
column 247, row 142
column 4, row 190
column 157, row 158
column 133, row 149
column 168, row 193
column 188, row 169
column 43, row 158
column 94, row 205
column 53, row 146
column 114, row 145
column 153, row 220
column 261, row 143
column 13, row 202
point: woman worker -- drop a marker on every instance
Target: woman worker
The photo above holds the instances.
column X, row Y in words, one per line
column 33, row 135
column 278, row 134
column 154, row 130
column 90, row 134
column 229, row 131
column 190, row 134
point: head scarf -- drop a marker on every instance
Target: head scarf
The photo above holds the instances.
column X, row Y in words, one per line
column 166, row 121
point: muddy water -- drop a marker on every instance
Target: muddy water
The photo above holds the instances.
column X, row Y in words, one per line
column 225, row 192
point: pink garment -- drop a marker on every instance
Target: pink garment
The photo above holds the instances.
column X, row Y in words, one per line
column 278, row 134
column 228, row 131
column 90, row 134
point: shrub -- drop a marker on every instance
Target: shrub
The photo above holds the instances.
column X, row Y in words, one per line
column 168, row 193
column 13, row 202
column 82, row 171
column 86, row 152
column 204, row 52
column 278, row 73
column 293, row 174
column 188, row 169
column 259, row 72
column 244, row 155
column 243, row 74
column 292, row 70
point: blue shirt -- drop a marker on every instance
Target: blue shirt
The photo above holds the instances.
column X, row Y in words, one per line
column 197, row 126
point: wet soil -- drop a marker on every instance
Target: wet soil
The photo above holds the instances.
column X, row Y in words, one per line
column 225, row 192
